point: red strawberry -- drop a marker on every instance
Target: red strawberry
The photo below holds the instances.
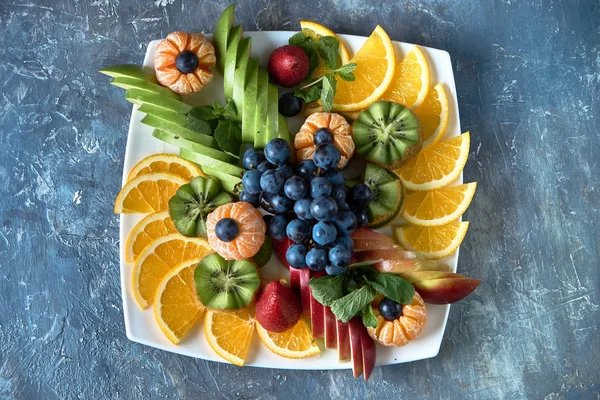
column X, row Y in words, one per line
column 277, row 308
column 288, row 66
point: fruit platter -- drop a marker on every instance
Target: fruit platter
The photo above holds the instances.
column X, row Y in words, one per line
column 291, row 199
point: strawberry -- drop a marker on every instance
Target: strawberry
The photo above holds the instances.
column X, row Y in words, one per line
column 288, row 66
column 277, row 308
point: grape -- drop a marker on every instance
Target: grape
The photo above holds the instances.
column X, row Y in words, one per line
column 306, row 169
column 252, row 158
column 264, row 166
column 281, row 204
column 324, row 233
column 295, row 188
column 298, row 230
column 346, row 242
column 339, row 256
column 339, row 193
column 302, row 208
column 250, row 198
column 323, row 136
column 317, row 259
column 277, row 227
column 277, row 151
column 323, row 208
column 362, row 218
column 296, row 255
column 286, row 170
column 227, row 229
column 333, row 270
column 272, row 181
column 335, row 176
column 389, row 309
column 326, row 156
column 361, row 195
column 320, row 187
column 266, row 201
column 251, row 181
column 345, row 221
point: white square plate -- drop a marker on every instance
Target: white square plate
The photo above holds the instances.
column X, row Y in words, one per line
column 140, row 324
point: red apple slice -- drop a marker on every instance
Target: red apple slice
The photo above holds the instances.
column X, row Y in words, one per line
column 280, row 248
column 330, row 329
column 399, row 266
column 369, row 352
column 354, row 326
column 295, row 280
column 317, row 312
column 368, row 234
column 446, row 290
column 305, row 295
column 343, row 341
column 388, row 254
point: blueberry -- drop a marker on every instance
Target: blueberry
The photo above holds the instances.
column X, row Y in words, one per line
column 186, row 62
column 320, row 187
column 324, row 233
column 362, row 218
column 361, row 195
column 252, row 158
column 317, row 259
column 345, row 222
column 227, row 229
column 277, row 226
column 306, row 169
column 281, row 204
column 298, row 230
column 339, row 193
column 295, row 188
column 323, row 208
column 287, row 171
column 272, row 181
column 389, row 309
column 277, row 151
column 265, row 166
column 343, row 205
column 326, row 156
column 302, row 209
column 290, row 105
column 332, row 270
column 323, row 136
column 265, row 200
column 251, row 181
column 296, row 255
column 250, row 198
column 335, row 176
column 339, row 256
column 346, row 242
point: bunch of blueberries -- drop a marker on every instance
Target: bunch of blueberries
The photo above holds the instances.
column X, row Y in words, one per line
column 312, row 205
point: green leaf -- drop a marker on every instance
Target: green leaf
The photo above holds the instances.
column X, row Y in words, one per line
column 205, row 113
column 329, row 51
column 329, row 86
column 230, row 109
column 351, row 304
column 229, row 137
column 346, row 68
column 368, row 317
column 310, row 94
column 310, row 48
column 196, row 124
column 392, row 286
column 297, row 39
column 327, row 289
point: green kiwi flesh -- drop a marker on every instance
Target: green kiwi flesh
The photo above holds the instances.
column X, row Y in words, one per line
column 387, row 195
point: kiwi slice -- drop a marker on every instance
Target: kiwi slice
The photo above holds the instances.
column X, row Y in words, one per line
column 224, row 284
column 388, row 134
column 264, row 253
column 387, row 194
column 193, row 202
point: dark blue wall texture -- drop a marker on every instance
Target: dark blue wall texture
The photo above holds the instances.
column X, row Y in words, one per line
column 528, row 81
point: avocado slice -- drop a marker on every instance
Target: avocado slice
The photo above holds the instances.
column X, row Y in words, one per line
column 233, row 42
column 260, row 125
column 139, row 97
column 239, row 80
column 163, row 113
column 133, row 71
column 221, row 35
column 284, row 131
column 272, row 113
column 250, row 96
column 132, row 83
column 180, row 131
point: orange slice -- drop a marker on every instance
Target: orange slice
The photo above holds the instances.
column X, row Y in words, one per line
column 148, row 193
column 316, row 30
column 433, row 242
column 438, row 207
column 149, row 228
column 375, row 65
column 176, row 305
column 296, row 342
column 411, row 80
column 433, row 115
column 166, row 163
column 229, row 334
column 437, row 165
column 160, row 257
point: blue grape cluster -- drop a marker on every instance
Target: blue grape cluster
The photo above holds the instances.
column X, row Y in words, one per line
column 311, row 204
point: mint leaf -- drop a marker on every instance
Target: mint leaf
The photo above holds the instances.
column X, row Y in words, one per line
column 229, row 137
column 297, row 39
column 368, row 317
column 329, row 86
column 196, row 124
column 351, row 304
column 346, row 68
column 310, row 94
column 204, row 113
column 329, row 51
column 327, row 289
column 309, row 46
column 230, row 110
column 392, row 286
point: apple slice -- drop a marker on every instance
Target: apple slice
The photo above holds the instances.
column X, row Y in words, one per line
column 369, row 352
column 330, row 329
column 317, row 310
column 437, row 287
column 280, row 247
column 343, row 341
column 399, row 266
column 354, row 327
column 388, row 254
column 305, row 296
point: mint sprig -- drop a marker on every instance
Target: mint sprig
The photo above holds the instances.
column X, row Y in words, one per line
column 212, row 120
column 351, row 304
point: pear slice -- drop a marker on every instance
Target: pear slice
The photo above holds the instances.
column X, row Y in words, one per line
column 272, row 113
column 233, row 42
column 132, row 83
column 133, row 71
column 139, row 97
column 221, row 35
column 163, row 113
column 260, row 136
column 180, row 131
column 239, row 80
column 250, row 96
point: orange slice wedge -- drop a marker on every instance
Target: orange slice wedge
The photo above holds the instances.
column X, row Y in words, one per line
column 149, row 228
column 433, row 115
column 148, row 193
column 296, row 342
column 229, row 334
column 438, row 207
column 433, row 242
column 411, row 80
column 166, row 163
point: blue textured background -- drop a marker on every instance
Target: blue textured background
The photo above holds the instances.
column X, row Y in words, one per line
column 528, row 81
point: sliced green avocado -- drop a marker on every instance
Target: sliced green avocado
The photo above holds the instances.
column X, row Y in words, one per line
column 178, row 130
column 221, row 35
column 260, row 130
column 239, row 80
column 139, row 97
column 163, row 113
column 133, row 71
column 272, row 113
column 250, row 95
column 233, row 42
column 132, row 83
